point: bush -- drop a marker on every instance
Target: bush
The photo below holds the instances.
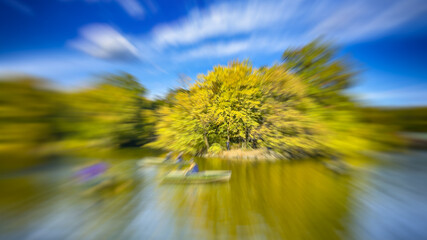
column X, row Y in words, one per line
column 215, row 148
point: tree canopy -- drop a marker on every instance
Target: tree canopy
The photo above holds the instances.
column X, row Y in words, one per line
column 296, row 108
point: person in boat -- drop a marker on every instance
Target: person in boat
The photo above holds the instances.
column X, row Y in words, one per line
column 194, row 168
column 179, row 158
column 182, row 163
column 168, row 157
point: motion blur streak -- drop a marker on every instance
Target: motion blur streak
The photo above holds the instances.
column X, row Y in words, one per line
column 143, row 119
column 266, row 200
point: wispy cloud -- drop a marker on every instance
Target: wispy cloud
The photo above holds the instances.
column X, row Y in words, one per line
column 411, row 92
column 132, row 7
column 103, row 41
column 217, row 50
column 59, row 67
column 49, row 64
column 359, row 20
column 20, row 6
column 230, row 48
column 224, row 19
column 230, row 28
column 404, row 96
column 69, row 70
column 224, row 29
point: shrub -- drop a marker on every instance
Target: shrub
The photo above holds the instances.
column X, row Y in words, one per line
column 215, row 148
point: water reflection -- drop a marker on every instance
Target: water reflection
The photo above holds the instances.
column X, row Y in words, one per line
column 266, row 200
column 272, row 201
column 391, row 198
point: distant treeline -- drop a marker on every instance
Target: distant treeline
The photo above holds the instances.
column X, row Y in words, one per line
column 297, row 108
column 35, row 119
column 410, row 119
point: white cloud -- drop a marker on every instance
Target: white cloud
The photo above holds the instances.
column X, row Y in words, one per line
column 417, row 92
column 360, row 20
column 103, row 41
column 224, row 19
column 63, row 69
column 271, row 25
column 48, row 64
column 217, row 49
column 132, row 7
column 229, row 48
column 68, row 70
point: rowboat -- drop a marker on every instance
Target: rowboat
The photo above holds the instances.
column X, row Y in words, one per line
column 156, row 161
column 179, row 176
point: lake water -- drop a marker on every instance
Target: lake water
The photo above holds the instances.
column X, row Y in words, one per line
column 282, row 200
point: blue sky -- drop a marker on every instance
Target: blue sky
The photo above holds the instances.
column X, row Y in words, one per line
column 72, row 41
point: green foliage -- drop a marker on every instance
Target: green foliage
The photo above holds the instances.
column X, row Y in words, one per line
column 297, row 108
column 112, row 113
column 28, row 113
column 410, row 119
column 319, row 66
column 215, row 148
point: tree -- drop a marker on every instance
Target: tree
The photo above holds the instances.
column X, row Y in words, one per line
column 320, row 67
column 297, row 108
column 112, row 113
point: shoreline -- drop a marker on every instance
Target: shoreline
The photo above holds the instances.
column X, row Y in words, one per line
column 248, row 155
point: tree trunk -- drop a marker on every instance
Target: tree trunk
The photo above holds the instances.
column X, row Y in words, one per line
column 228, row 137
column 205, row 137
column 246, row 138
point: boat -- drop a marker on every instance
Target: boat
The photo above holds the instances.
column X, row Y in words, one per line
column 179, row 176
column 157, row 161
